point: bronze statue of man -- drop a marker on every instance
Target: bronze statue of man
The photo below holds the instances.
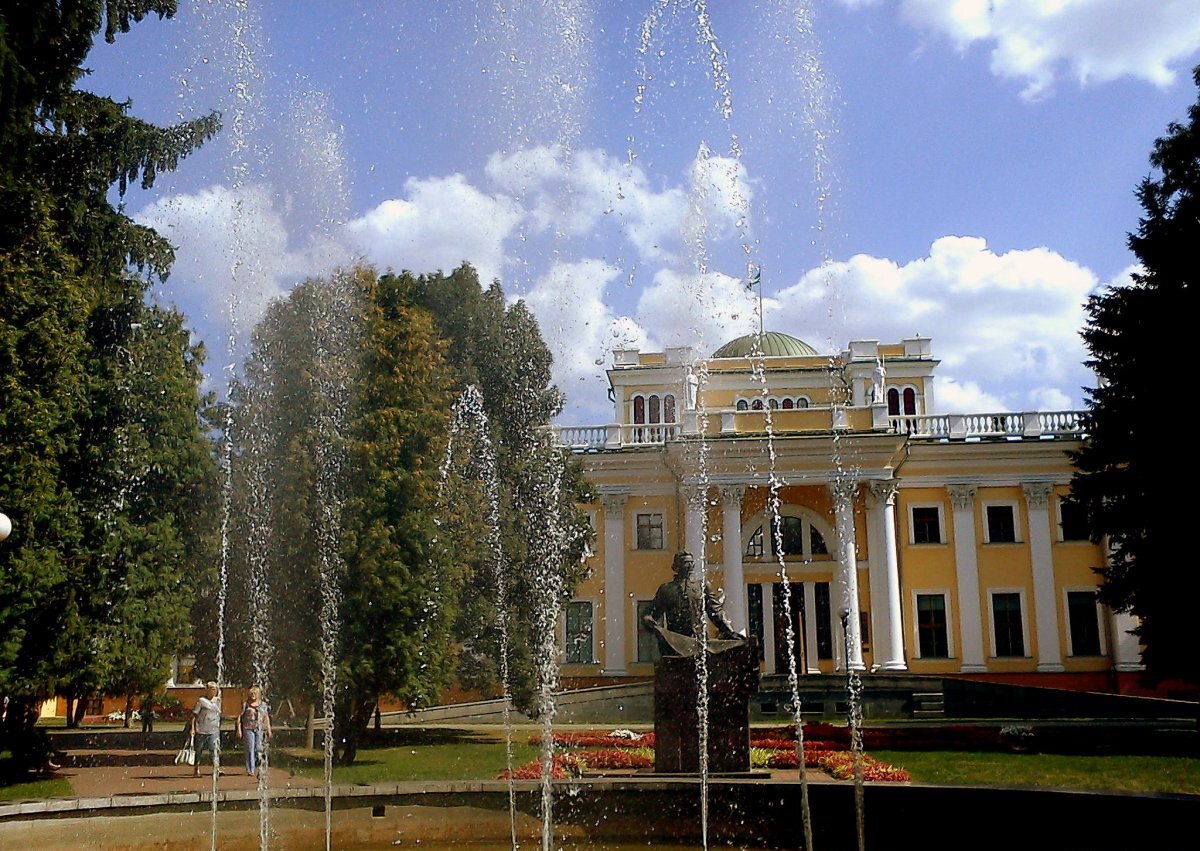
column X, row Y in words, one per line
column 671, row 618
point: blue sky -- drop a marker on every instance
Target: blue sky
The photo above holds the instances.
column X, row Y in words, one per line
column 963, row 169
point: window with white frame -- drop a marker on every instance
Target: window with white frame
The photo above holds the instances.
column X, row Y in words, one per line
column 925, row 523
column 1008, row 622
column 650, row 532
column 579, row 646
column 1072, row 521
column 932, row 619
column 1000, row 523
column 1083, row 623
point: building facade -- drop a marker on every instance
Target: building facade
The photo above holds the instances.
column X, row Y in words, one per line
column 838, row 512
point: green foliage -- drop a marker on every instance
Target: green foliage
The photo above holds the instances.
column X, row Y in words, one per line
column 499, row 348
column 1128, row 479
column 339, row 427
column 105, row 466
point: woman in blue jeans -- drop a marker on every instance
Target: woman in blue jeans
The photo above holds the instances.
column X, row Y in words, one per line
column 256, row 727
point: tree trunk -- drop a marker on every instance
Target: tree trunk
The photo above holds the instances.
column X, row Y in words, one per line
column 357, row 719
column 80, row 710
column 128, row 710
column 310, row 728
column 19, row 735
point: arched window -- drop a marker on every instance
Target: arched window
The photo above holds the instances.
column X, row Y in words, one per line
column 910, row 400
column 669, row 408
column 754, row 547
column 756, row 405
column 799, row 535
column 655, row 410
column 774, row 403
column 743, row 405
column 802, row 402
column 893, row 397
column 639, row 409
column 788, row 404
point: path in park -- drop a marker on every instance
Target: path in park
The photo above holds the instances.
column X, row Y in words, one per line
column 100, row 773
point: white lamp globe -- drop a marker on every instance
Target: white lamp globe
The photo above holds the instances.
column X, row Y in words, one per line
column 5, row 526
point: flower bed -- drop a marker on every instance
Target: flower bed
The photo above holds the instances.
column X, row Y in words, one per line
column 617, row 758
column 825, row 747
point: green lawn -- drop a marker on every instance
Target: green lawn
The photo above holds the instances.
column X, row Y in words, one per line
column 1102, row 772
column 429, row 755
column 55, row 788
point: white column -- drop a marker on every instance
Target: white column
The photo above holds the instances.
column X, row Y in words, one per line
column 614, row 583
column 1127, row 654
column 885, row 576
column 693, row 539
column 810, row 628
column 731, row 541
column 768, row 620
column 843, row 510
column 1045, row 608
column 966, row 567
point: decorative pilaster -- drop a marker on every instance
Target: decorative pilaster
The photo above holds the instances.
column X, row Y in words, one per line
column 810, row 628
column 768, row 620
column 843, row 510
column 1045, row 607
column 885, row 576
column 614, row 582
column 693, row 538
column 966, row 567
column 731, row 541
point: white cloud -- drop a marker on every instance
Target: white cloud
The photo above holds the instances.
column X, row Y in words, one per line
column 1036, row 41
column 1005, row 326
column 232, row 254
column 964, row 397
column 582, row 330
column 572, row 195
column 437, row 225
column 703, row 311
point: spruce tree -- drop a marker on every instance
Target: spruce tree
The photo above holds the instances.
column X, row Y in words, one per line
column 70, row 301
column 1132, row 468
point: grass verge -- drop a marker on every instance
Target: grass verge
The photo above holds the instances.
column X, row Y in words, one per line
column 53, row 788
column 448, row 755
column 1103, row 772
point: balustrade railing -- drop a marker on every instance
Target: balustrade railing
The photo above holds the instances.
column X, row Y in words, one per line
column 1010, row 426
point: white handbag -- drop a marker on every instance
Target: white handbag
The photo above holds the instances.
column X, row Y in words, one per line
column 187, row 754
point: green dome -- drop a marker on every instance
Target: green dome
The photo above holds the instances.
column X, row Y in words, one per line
column 773, row 345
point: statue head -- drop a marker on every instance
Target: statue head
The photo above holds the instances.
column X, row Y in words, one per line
column 682, row 565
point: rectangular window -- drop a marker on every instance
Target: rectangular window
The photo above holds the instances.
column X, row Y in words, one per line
column 754, row 600
column 824, row 624
column 1001, row 524
column 793, row 536
column 647, row 640
column 1084, row 622
column 926, row 524
column 932, row 637
column 579, row 633
column 1006, row 622
column 649, row 531
column 1074, row 526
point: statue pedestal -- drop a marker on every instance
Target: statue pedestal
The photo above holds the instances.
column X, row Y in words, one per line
column 732, row 678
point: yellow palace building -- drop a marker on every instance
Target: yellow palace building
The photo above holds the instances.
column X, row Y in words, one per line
column 912, row 541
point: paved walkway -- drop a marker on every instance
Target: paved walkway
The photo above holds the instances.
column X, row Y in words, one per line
column 101, row 773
